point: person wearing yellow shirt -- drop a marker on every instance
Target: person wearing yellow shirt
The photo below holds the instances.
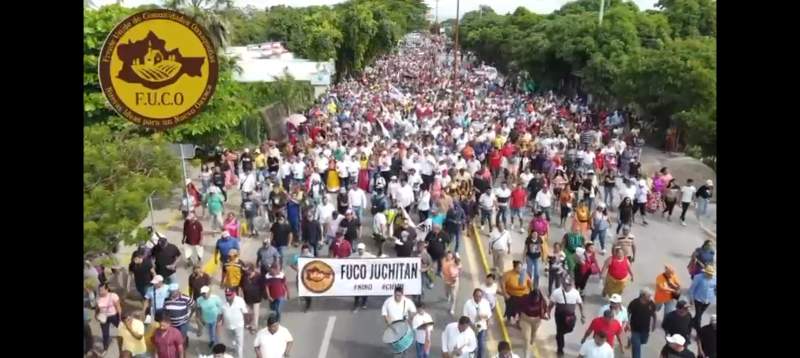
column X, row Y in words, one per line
column 260, row 161
column 132, row 334
column 516, row 285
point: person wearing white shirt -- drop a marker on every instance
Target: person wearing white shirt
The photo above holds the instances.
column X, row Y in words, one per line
column 325, row 211
column 458, row 339
column 544, row 199
column 358, row 200
column 248, row 183
column 687, row 198
column 486, row 202
column 424, row 204
column 473, row 165
column 343, row 172
column 275, row 341
column 414, row 179
column 478, row 310
column 422, row 323
column 322, row 164
column 500, row 246
column 233, row 311
column 393, row 188
column 598, row 347
column 563, row 300
column 526, row 177
column 398, row 307
column 405, row 196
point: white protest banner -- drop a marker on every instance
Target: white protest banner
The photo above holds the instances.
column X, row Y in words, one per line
column 358, row 277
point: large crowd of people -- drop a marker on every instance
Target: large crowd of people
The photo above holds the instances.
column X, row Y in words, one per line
column 425, row 151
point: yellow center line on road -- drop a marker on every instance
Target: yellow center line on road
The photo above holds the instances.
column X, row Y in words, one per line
column 473, row 230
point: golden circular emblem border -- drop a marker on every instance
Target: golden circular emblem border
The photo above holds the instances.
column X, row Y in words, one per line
column 104, row 70
column 303, row 276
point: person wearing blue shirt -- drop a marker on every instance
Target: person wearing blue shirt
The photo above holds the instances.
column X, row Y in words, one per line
column 210, row 307
column 703, row 293
column 224, row 245
column 155, row 296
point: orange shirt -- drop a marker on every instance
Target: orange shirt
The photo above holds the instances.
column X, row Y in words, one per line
column 511, row 284
column 663, row 295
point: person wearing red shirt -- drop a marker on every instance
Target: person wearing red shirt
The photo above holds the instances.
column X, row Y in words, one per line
column 608, row 325
column 340, row 248
column 518, row 196
column 167, row 340
column 276, row 289
column 508, row 150
column 495, row 158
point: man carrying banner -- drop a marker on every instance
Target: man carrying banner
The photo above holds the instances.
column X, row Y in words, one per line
column 361, row 253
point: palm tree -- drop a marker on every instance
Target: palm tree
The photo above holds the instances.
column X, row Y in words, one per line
column 208, row 13
column 292, row 95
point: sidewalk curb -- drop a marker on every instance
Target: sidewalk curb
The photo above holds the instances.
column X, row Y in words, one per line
column 500, row 319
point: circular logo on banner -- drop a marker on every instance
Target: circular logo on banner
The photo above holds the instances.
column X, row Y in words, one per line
column 317, row 276
column 158, row 68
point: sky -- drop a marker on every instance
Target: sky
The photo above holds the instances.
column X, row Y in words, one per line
column 447, row 8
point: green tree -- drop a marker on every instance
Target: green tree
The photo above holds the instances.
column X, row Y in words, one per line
column 210, row 14
column 97, row 24
column 691, row 17
column 120, row 171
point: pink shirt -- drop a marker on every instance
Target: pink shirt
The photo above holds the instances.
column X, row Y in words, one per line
column 107, row 304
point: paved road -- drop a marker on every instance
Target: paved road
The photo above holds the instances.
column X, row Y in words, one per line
column 658, row 243
column 353, row 334
column 359, row 334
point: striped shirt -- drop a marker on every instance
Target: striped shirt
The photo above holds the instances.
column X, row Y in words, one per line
column 179, row 309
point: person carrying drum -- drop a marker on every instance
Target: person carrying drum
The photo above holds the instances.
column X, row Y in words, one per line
column 397, row 312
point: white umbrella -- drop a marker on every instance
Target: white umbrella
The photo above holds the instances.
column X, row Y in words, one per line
column 296, row 119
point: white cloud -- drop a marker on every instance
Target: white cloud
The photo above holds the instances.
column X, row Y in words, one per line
column 447, row 8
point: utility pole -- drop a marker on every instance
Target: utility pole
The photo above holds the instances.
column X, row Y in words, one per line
column 456, row 57
column 602, row 8
column 437, row 13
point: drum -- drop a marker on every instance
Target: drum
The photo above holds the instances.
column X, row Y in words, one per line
column 399, row 336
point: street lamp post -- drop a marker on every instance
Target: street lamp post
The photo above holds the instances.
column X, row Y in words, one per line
column 602, row 8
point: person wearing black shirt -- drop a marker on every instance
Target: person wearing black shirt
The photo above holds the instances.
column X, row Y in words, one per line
column 246, row 161
column 311, row 232
column 437, row 243
column 218, row 179
column 250, row 211
column 273, row 165
column 707, row 340
column 143, row 272
column 277, row 202
column 704, row 194
column 351, row 227
column 454, row 223
column 281, row 236
column 679, row 321
column 342, row 201
column 642, row 312
column 252, row 284
column 166, row 256
column 404, row 245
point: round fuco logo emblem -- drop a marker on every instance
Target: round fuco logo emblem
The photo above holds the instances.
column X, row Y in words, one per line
column 317, row 276
column 158, row 68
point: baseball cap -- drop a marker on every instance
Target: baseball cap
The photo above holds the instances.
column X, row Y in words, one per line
column 205, row 289
column 157, row 279
column 681, row 304
column 174, row 286
column 676, row 339
column 615, row 298
column 361, row 246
